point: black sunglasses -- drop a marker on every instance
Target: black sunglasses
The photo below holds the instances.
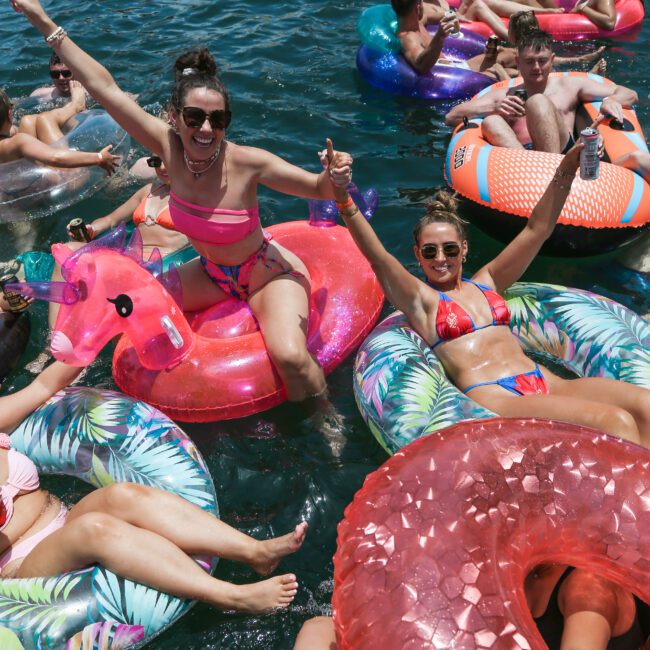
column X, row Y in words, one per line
column 55, row 74
column 195, row 117
column 154, row 161
column 449, row 249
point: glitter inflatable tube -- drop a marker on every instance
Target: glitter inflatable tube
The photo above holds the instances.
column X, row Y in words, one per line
column 380, row 63
column 433, row 551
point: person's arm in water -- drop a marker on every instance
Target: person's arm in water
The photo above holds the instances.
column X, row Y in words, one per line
column 151, row 132
column 402, row 289
column 122, row 213
column 23, row 145
column 16, row 407
column 423, row 58
column 510, row 264
column 602, row 13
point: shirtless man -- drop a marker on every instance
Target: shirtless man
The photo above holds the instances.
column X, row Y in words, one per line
column 420, row 48
column 61, row 78
column 546, row 119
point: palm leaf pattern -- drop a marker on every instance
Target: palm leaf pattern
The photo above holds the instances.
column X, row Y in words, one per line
column 102, row 437
column 9, row 641
column 40, row 607
column 403, row 393
column 134, row 604
column 109, row 635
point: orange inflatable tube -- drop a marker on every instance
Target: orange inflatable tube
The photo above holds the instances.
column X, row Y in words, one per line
column 504, row 185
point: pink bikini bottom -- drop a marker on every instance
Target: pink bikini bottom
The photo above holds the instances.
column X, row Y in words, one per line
column 24, row 548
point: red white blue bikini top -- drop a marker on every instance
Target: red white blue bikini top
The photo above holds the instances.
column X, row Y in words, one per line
column 452, row 321
column 22, row 477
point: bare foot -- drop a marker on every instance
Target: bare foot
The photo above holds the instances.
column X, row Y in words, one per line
column 267, row 595
column 600, row 67
column 77, row 96
column 269, row 552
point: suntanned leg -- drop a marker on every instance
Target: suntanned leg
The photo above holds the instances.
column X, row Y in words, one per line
column 638, row 161
column 281, row 306
column 499, row 133
column 28, row 125
column 190, row 528
column 479, row 11
column 602, row 416
column 635, row 400
column 49, row 125
column 594, row 610
column 199, row 291
column 545, row 126
column 144, row 556
column 316, row 634
column 506, row 8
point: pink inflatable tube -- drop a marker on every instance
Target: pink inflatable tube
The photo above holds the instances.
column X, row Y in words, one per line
column 434, row 549
column 228, row 373
column 571, row 27
column 209, row 365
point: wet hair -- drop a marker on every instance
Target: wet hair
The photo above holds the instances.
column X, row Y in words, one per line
column 55, row 59
column 403, row 7
column 196, row 69
column 536, row 41
column 5, row 106
column 443, row 208
column 523, row 22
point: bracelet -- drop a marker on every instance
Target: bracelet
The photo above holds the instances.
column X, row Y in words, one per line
column 56, row 36
column 559, row 176
column 349, row 214
column 562, row 174
column 99, row 155
column 346, row 204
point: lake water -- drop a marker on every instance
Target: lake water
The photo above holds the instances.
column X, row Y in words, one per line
column 292, row 78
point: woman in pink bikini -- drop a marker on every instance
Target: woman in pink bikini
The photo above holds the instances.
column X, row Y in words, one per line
column 125, row 527
column 465, row 321
column 213, row 199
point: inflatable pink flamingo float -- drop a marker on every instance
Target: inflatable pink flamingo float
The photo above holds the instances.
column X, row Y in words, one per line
column 207, row 365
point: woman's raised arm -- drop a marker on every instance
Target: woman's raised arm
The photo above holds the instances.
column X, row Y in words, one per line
column 510, row 264
column 146, row 129
column 402, row 289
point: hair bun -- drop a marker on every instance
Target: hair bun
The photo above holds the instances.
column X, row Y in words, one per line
column 196, row 61
column 443, row 201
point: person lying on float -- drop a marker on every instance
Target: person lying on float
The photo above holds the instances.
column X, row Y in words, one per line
column 545, row 121
column 125, row 527
column 466, row 321
column 34, row 136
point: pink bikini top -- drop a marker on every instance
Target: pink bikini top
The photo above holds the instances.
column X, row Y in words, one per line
column 23, row 476
column 231, row 226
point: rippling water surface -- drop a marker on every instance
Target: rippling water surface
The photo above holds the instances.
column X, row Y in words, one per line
column 291, row 74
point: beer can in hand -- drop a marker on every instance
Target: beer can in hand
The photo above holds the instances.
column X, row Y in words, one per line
column 78, row 230
column 456, row 32
column 589, row 160
column 16, row 302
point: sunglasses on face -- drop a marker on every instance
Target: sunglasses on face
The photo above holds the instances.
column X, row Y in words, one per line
column 55, row 74
column 154, row 161
column 430, row 251
column 195, row 117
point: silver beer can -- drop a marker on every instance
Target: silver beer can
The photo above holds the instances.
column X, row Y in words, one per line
column 589, row 160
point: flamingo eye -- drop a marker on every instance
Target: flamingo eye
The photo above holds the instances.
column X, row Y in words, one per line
column 123, row 305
